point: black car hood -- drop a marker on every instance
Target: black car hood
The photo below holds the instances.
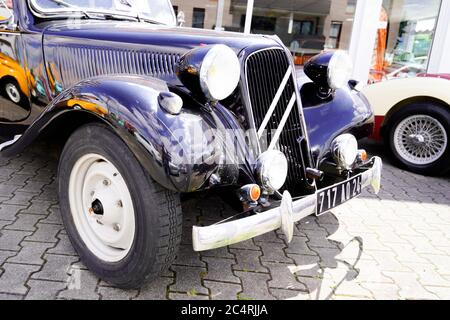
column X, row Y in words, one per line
column 155, row 35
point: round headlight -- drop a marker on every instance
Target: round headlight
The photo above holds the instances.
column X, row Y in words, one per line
column 345, row 150
column 272, row 170
column 340, row 70
column 220, row 72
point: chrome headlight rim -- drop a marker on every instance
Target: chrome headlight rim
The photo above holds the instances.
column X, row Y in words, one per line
column 218, row 56
column 340, row 69
column 345, row 150
column 268, row 163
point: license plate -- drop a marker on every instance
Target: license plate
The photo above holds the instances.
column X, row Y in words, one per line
column 336, row 195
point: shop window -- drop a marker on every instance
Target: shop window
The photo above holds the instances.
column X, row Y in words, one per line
column 335, row 34
column 198, row 18
column 404, row 39
column 260, row 24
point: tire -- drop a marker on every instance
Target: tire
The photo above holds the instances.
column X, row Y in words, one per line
column 12, row 91
column 412, row 150
column 154, row 212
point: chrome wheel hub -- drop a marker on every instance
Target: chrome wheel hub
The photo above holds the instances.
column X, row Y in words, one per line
column 420, row 139
column 13, row 92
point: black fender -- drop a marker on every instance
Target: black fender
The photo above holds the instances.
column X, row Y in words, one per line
column 160, row 141
column 344, row 111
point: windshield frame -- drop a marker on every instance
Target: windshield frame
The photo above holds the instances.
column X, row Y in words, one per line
column 71, row 13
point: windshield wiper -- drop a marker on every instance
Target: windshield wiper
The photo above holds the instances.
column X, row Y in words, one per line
column 68, row 5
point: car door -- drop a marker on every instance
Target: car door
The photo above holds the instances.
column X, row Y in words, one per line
column 14, row 82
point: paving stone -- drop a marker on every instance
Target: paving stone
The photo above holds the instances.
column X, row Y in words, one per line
column 24, row 222
column 31, row 253
column 274, row 252
column 179, row 296
column 54, row 217
column 32, row 187
column 20, row 199
column 64, row 247
column 283, row 277
column 155, row 290
column 4, row 255
column 218, row 253
column 382, row 291
column 248, row 245
column 219, row 269
column 442, row 262
column 82, row 286
column 187, row 257
column 282, row 294
column 7, row 190
column 109, row 293
column 268, row 238
column 44, row 290
column 6, row 297
column 188, row 279
column 39, row 206
column 45, row 233
column 442, row 292
column 254, row 286
column 13, row 278
column 10, row 239
column 410, row 288
column 248, row 260
column 222, row 290
column 56, row 268
column 9, row 212
column 305, row 265
column 299, row 246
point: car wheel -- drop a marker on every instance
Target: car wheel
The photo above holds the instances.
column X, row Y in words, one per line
column 125, row 227
column 13, row 92
column 418, row 136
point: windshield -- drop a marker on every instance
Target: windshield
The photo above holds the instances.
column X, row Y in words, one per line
column 160, row 11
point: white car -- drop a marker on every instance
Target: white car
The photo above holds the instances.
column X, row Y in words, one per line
column 413, row 118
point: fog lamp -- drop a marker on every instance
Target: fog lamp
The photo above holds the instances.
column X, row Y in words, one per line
column 345, row 150
column 272, row 170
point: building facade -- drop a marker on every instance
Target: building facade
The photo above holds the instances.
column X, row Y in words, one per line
column 387, row 38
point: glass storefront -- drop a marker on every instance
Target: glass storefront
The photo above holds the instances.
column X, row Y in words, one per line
column 404, row 38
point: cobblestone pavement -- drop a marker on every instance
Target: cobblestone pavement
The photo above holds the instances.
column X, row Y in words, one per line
column 392, row 246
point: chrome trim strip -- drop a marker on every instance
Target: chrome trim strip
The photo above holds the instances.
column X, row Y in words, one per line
column 228, row 233
column 275, row 102
column 283, row 121
column 9, row 143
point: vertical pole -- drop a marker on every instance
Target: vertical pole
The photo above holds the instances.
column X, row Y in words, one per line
column 219, row 19
column 439, row 61
column 365, row 27
column 249, row 16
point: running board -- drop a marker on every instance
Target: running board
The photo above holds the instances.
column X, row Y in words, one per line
column 9, row 143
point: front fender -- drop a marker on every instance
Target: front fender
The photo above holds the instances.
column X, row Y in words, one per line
column 346, row 111
column 160, row 141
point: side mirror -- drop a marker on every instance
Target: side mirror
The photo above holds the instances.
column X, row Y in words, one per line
column 181, row 19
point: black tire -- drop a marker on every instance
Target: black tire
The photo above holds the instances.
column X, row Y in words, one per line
column 158, row 213
column 438, row 112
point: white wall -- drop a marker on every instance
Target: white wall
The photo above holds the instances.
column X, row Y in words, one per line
column 440, row 54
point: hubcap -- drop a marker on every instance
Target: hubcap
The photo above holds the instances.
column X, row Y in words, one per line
column 420, row 139
column 13, row 92
column 102, row 208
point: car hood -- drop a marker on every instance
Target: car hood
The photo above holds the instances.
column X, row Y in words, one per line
column 155, row 35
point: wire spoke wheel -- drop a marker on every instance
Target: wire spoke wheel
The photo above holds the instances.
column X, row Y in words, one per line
column 420, row 139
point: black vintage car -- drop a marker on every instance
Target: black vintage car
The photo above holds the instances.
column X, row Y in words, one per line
column 147, row 111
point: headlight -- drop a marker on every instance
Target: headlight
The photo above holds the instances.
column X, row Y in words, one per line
column 272, row 170
column 345, row 150
column 340, row 70
column 213, row 71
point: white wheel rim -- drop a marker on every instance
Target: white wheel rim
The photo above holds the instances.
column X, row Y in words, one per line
column 108, row 233
column 13, row 92
column 420, row 139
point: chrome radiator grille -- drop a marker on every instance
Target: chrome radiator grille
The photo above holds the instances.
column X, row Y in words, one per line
column 275, row 110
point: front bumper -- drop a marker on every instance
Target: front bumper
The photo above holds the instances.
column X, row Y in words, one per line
column 284, row 217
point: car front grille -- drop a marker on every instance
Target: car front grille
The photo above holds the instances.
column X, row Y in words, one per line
column 269, row 72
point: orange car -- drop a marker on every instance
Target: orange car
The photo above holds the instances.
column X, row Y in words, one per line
column 13, row 80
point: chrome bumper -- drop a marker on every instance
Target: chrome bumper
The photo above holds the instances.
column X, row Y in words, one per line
column 284, row 217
